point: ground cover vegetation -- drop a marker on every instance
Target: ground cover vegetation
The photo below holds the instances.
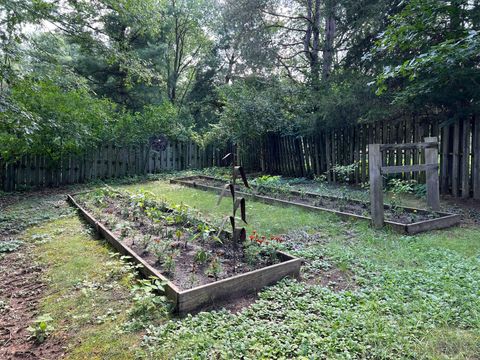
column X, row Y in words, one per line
column 365, row 292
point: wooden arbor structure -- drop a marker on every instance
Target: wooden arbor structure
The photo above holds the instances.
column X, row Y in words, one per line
column 377, row 169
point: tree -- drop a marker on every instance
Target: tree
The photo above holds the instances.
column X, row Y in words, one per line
column 432, row 50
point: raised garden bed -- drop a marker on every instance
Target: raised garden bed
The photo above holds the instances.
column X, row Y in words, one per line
column 404, row 220
column 198, row 265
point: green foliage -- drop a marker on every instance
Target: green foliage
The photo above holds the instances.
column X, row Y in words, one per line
column 149, row 303
column 41, row 328
column 7, row 246
column 267, row 180
column 432, row 56
column 214, row 268
column 420, row 288
column 344, row 173
column 253, row 108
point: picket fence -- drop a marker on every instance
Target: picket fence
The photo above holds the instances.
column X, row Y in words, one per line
column 104, row 162
column 316, row 155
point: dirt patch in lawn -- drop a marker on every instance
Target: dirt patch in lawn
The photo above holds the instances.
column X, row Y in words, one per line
column 334, row 279
column 20, row 292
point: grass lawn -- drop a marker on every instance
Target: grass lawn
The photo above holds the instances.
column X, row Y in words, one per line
column 364, row 294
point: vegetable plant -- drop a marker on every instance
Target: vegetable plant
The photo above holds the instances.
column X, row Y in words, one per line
column 214, row 268
column 41, row 328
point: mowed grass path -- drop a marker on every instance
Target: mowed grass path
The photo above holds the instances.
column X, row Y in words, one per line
column 264, row 218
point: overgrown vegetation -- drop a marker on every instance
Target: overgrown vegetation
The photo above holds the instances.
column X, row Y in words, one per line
column 364, row 292
column 80, row 73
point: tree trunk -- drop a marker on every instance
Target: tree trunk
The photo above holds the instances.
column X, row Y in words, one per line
column 328, row 49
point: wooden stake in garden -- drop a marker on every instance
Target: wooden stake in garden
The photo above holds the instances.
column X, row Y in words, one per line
column 239, row 235
column 377, row 169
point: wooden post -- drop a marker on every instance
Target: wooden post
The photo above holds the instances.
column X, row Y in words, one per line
column 476, row 158
column 433, row 192
column 445, row 158
column 456, row 161
column 376, row 185
column 465, row 167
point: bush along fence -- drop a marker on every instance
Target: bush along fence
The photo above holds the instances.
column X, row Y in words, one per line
column 104, row 162
column 459, row 152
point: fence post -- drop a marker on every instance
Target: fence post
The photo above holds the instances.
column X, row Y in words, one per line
column 476, row 158
column 433, row 192
column 376, row 185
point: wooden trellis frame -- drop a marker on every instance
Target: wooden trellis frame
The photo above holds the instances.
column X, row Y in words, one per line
column 377, row 169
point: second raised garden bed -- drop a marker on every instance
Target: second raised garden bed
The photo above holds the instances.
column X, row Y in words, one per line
column 404, row 220
column 129, row 224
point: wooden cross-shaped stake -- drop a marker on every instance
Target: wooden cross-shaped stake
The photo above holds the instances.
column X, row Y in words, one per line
column 376, row 170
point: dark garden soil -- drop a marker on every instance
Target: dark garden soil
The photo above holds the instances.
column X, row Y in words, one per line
column 144, row 235
column 21, row 289
column 347, row 205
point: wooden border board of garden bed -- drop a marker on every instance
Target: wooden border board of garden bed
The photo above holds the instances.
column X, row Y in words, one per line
column 191, row 300
column 446, row 220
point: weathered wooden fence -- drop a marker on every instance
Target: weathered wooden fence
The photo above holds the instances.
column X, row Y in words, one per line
column 108, row 161
column 309, row 155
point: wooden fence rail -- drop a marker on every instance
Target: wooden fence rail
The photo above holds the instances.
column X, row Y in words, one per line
column 459, row 152
column 104, row 162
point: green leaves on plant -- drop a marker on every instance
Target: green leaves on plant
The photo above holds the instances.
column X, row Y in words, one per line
column 41, row 328
column 10, row 245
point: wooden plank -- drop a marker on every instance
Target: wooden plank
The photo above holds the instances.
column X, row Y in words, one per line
column 465, row 164
column 10, row 177
column 476, row 158
column 334, row 144
column 418, row 146
column 356, row 153
column 253, row 281
column 408, row 168
column 433, row 191
column 376, row 185
column 408, row 152
column 364, row 144
column 456, row 160
column 328, row 157
column 445, row 159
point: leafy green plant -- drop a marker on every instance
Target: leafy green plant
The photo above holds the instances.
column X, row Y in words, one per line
column 201, row 256
column 267, row 181
column 41, row 328
column 214, row 268
column 399, row 187
column 10, row 245
column 344, row 173
column 159, row 249
column 169, row 264
column 260, row 248
column 149, row 303
column 145, row 240
column 124, row 229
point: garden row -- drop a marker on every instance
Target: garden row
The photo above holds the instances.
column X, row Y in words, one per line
column 199, row 264
column 405, row 220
